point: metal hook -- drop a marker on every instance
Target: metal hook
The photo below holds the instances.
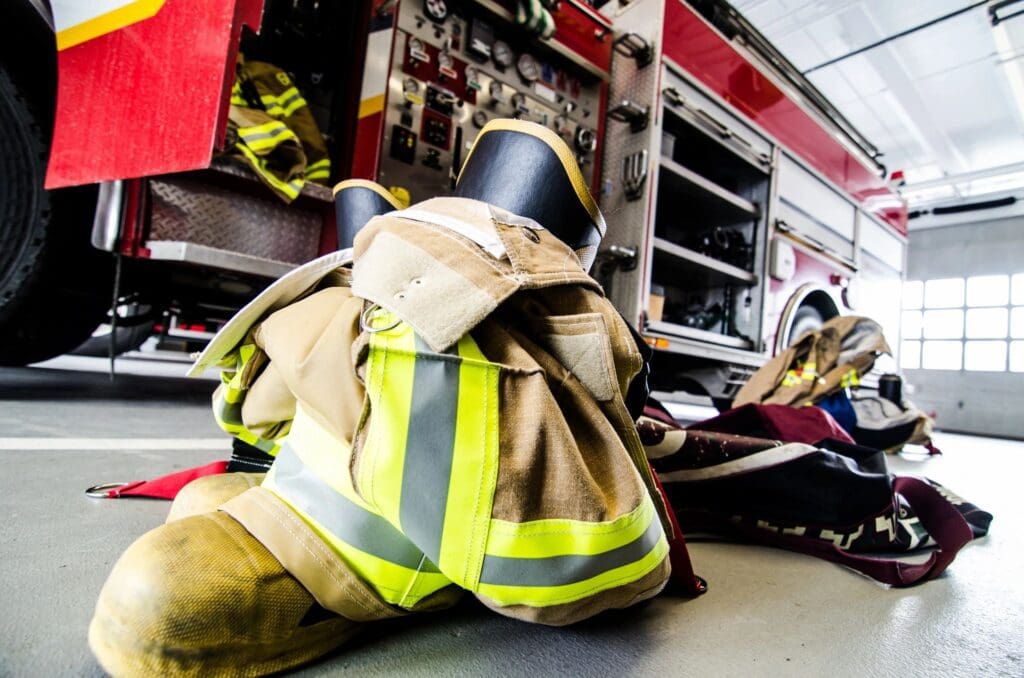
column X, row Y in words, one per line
column 364, row 321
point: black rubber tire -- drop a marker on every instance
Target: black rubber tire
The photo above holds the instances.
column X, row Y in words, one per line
column 806, row 319
column 54, row 286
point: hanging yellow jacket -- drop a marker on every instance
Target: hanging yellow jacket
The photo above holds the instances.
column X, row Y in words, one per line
column 455, row 420
column 272, row 129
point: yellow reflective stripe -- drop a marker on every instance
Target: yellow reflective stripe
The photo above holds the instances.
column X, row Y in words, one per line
column 474, row 468
column 321, row 169
column 396, row 584
column 318, row 174
column 108, row 22
column 545, row 596
column 557, row 537
column 291, row 189
column 389, row 369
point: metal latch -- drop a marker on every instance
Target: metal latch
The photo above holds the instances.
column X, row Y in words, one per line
column 636, row 116
column 633, row 46
column 634, row 174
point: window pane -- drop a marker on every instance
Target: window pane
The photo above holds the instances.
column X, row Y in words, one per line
column 988, row 290
column 1017, row 284
column 913, row 293
column 941, row 355
column 1017, row 323
column 1017, row 356
column 943, row 324
column 911, row 327
column 910, row 355
column 988, row 356
column 944, row 293
column 986, row 323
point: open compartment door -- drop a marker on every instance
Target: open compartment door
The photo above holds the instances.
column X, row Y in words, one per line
column 149, row 97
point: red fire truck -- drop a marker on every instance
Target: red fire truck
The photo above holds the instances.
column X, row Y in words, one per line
column 742, row 209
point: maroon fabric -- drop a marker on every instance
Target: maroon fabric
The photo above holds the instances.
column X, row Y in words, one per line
column 777, row 422
column 943, row 522
column 683, row 577
column 166, row 487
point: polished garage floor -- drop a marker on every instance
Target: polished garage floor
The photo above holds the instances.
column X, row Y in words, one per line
column 767, row 612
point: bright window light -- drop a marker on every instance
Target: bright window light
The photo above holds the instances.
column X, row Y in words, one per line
column 1017, row 323
column 988, row 290
column 910, row 328
column 913, row 293
column 941, row 355
column 1017, row 284
column 1017, row 356
column 944, row 293
column 985, row 356
column 986, row 323
column 910, row 355
column 943, row 324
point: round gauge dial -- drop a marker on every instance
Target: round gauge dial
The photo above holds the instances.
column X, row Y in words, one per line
column 479, row 119
column 585, row 139
column 496, row 90
column 472, row 75
column 410, row 86
column 444, row 60
column 415, row 45
column 518, row 100
column 528, row 68
column 436, row 10
column 501, row 53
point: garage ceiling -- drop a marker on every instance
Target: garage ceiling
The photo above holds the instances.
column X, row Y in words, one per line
column 944, row 101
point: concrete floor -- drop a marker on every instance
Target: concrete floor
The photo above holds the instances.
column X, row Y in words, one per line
column 767, row 612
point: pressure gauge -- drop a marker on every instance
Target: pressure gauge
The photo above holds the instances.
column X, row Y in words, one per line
column 472, row 75
column 410, row 86
column 519, row 102
column 436, row 10
column 479, row 119
column 415, row 46
column 528, row 68
column 496, row 90
column 501, row 53
column 444, row 60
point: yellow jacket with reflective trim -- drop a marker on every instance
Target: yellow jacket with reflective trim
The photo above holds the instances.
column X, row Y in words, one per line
column 272, row 130
column 457, row 422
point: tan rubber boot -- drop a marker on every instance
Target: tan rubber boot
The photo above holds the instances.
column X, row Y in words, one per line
column 205, row 494
column 202, row 596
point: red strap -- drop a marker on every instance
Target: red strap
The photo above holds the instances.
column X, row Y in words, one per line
column 683, row 577
column 166, row 487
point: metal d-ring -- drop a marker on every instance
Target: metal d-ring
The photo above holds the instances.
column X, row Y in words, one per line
column 364, row 321
column 102, row 490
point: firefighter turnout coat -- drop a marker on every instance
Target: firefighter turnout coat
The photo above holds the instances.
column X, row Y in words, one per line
column 447, row 414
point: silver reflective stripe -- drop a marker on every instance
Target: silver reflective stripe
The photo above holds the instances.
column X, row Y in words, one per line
column 560, row 570
column 250, row 137
column 346, row 520
column 429, row 448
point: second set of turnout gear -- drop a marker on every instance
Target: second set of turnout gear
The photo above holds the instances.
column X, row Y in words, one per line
column 446, row 403
column 271, row 128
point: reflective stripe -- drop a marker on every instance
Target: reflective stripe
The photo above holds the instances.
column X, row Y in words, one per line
column 228, row 400
column 428, row 451
column 557, row 571
column 555, row 537
column 353, row 524
column 290, row 189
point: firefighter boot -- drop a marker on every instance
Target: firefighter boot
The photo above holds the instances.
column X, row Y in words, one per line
column 202, row 596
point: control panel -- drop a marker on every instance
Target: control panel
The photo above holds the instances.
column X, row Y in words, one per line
column 455, row 67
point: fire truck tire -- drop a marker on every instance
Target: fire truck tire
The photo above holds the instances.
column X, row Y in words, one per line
column 806, row 319
column 54, row 287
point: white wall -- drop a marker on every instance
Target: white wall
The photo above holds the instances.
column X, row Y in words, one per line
column 977, row 402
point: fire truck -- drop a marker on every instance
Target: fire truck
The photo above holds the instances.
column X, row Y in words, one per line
column 742, row 208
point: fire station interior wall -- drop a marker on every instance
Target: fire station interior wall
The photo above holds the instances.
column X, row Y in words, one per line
column 988, row 403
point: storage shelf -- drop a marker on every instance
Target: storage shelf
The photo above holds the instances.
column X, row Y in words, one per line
column 716, row 271
column 699, row 335
column 689, row 184
column 727, row 143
